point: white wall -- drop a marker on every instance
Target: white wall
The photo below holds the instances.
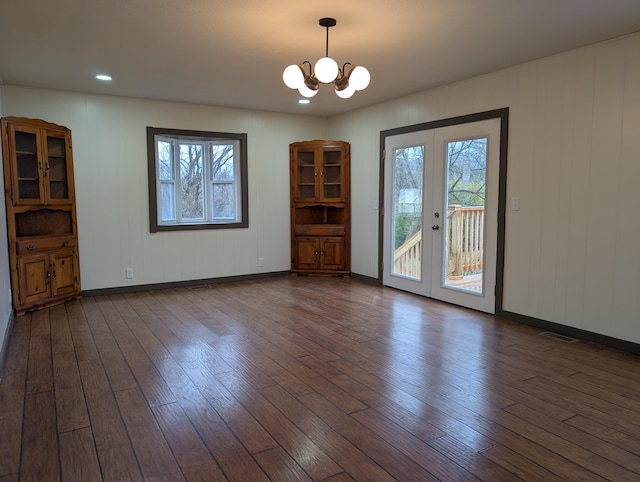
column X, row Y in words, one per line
column 572, row 252
column 5, row 279
column 110, row 164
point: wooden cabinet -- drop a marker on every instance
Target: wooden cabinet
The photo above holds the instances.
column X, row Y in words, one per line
column 320, row 208
column 41, row 213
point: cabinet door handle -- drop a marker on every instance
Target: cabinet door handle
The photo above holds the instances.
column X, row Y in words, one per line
column 65, row 243
column 30, row 246
column 316, row 253
column 54, row 273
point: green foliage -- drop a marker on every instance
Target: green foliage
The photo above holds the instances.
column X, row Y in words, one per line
column 406, row 225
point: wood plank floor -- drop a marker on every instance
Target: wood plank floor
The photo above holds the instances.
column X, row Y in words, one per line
column 293, row 379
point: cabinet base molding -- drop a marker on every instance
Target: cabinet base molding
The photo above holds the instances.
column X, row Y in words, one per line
column 24, row 309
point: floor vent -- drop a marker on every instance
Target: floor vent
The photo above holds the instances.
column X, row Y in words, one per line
column 559, row 337
column 199, row 287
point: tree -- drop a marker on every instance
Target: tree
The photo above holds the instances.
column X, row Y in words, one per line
column 191, row 180
column 408, row 175
column 467, row 169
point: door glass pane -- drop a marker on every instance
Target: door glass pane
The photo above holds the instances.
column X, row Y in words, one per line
column 27, row 165
column 466, row 179
column 331, row 174
column 57, row 166
column 306, row 188
column 408, row 180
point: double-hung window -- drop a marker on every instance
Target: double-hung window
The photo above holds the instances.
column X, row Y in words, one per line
column 197, row 180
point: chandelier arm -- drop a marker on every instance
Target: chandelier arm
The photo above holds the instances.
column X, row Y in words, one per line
column 344, row 68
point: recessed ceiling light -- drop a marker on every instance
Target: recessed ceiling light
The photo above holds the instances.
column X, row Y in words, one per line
column 104, row 77
column 304, row 101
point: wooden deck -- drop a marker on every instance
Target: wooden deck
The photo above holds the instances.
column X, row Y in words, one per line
column 298, row 379
column 471, row 282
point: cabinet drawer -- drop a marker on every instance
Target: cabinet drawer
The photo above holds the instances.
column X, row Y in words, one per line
column 25, row 246
column 320, row 230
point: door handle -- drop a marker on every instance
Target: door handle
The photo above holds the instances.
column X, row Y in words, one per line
column 435, row 227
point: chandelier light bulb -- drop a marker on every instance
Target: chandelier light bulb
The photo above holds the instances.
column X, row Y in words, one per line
column 326, row 70
column 306, row 91
column 293, row 76
column 359, row 78
column 347, row 92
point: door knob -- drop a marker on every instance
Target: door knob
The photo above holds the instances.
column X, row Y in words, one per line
column 435, row 227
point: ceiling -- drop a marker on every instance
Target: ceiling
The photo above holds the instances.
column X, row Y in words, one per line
column 232, row 52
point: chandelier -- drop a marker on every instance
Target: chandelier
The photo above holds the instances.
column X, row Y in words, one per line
column 347, row 80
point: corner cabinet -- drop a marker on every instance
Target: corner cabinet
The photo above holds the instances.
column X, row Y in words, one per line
column 320, row 208
column 41, row 213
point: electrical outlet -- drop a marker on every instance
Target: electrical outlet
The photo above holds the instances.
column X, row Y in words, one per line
column 129, row 273
column 260, row 262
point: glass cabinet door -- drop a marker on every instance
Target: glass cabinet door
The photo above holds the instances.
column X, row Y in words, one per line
column 304, row 175
column 28, row 167
column 57, row 171
column 331, row 175
column 41, row 161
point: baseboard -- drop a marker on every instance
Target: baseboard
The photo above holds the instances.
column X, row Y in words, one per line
column 585, row 335
column 366, row 279
column 182, row 284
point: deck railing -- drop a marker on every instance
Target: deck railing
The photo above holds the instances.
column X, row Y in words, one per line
column 406, row 259
column 464, row 244
column 465, row 240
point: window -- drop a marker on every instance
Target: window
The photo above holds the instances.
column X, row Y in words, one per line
column 197, row 180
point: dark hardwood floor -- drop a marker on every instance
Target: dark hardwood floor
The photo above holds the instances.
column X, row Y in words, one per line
column 291, row 379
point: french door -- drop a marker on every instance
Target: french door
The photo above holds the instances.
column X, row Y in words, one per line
column 441, row 213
